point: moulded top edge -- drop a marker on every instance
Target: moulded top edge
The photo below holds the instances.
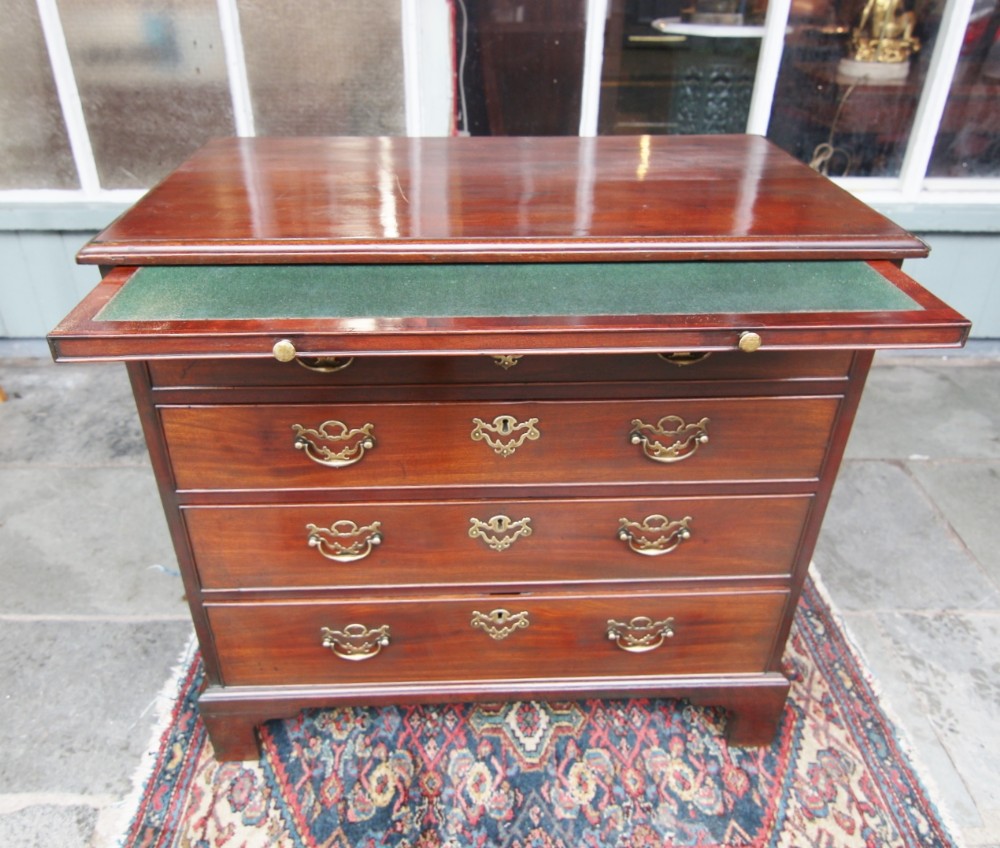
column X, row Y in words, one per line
column 495, row 199
column 303, row 251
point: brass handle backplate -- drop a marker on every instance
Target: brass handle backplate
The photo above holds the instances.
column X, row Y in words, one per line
column 655, row 535
column 499, row 532
column 670, row 439
column 685, row 357
column 284, row 351
column 325, row 364
column 333, row 443
column 505, row 434
column 356, row 642
column 499, row 623
column 344, row 541
column 641, row 634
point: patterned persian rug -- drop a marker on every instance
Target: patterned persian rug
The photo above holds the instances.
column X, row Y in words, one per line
column 632, row 773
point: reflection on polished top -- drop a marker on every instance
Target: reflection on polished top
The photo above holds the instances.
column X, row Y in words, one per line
column 495, row 200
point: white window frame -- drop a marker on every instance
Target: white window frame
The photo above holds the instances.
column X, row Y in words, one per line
column 426, row 39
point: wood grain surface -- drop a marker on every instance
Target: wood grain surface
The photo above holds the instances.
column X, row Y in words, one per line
column 253, row 446
column 294, row 200
column 426, row 545
column 433, row 639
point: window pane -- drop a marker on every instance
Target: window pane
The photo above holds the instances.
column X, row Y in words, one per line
column 673, row 69
column 520, row 66
column 968, row 142
column 322, row 68
column 34, row 149
column 849, row 83
column 152, row 79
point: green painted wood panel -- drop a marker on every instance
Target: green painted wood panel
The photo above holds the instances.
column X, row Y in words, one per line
column 964, row 270
column 40, row 280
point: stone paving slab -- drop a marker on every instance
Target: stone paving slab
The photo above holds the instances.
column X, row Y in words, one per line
column 907, row 553
column 48, row 826
column 59, row 415
column 949, row 660
column 936, row 410
column 884, row 545
column 968, row 494
column 79, row 700
column 88, row 541
column 931, row 757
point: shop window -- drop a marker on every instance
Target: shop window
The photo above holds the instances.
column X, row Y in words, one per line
column 968, row 140
column 152, row 82
column 670, row 67
column 520, row 64
column 34, row 147
column 157, row 78
column 317, row 67
column 836, row 105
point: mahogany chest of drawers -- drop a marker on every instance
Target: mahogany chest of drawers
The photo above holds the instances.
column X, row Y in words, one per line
column 460, row 419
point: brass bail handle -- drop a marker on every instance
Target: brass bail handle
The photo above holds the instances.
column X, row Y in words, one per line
column 641, row 634
column 671, row 439
column 284, row 351
column 655, row 535
column 333, row 443
column 344, row 541
column 356, row 642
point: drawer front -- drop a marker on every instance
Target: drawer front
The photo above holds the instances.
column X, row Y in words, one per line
column 455, row 370
column 455, row 444
column 476, row 542
column 493, row 637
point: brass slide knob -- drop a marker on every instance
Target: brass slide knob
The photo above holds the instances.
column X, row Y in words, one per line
column 749, row 342
column 283, row 350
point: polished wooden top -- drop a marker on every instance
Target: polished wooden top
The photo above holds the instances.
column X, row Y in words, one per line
column 495, row 199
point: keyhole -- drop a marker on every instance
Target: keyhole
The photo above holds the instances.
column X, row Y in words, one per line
column 505, row 425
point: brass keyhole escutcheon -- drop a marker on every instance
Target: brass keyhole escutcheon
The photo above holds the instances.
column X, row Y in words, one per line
column 500, row 531
column 505, row 434
column 498, row 624
column 507, row 360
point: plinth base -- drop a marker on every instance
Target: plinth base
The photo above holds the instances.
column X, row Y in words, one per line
column 874, row 71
